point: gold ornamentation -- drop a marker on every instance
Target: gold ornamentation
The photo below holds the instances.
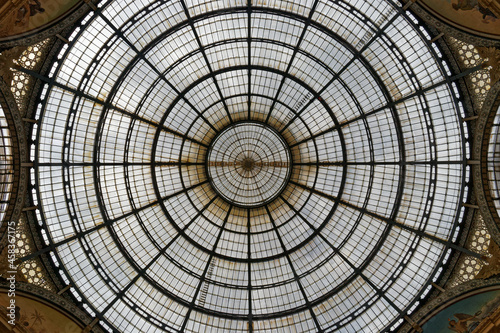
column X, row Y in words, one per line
column 492, row 55
column 493, row 267
column 7, row 61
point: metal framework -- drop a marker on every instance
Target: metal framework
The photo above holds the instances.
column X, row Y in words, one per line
column 366, row 159
column 6, row 165
column 248, row 164
column 493, row 158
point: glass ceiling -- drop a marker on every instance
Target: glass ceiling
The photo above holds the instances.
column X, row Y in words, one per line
column 6, row 166
column 248, row 164
column 340, row 224
column 493, row 161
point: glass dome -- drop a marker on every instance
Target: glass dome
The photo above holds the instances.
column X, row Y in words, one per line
column 260, row 166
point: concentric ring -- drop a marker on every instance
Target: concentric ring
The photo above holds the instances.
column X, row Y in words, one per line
column 277, row 166
column 249, row 164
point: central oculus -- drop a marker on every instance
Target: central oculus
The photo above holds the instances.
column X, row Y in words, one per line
column 249, row 164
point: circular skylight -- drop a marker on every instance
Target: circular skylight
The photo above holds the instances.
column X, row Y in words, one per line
column 248, row 164
column 262, row 166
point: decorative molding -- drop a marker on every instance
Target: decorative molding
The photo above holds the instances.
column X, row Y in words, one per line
column 480, row 172
column 51, row 298
column 443, row 300
column 447, row 29
column 19, row 138
column 46, row 31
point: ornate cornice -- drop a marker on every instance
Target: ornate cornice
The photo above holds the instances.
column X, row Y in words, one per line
column 55, row 300
column 21, row 156
column 447, row 29
column 480, row 152
column 446, row 298
column 32, row 37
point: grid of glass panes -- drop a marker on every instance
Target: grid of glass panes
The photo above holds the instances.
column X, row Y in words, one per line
column 377, row 166
column 6, row 165
column 494, row 160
